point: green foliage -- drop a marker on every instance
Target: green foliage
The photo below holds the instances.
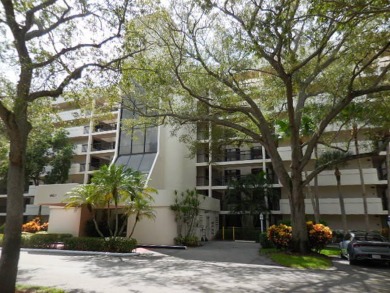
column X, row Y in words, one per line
column 191, row 241
column 42, row 240
column 2, row 227
column 110, row 186
column 61, row 153
column 330, row 251
column 186, row 209
column 110, row 244
column 49, row 150
column 300, row 261
column 37, row 289
column 248, row 193
column 264, row 241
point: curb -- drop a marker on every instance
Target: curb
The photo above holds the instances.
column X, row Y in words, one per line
column 163, row 246
column 77, row 252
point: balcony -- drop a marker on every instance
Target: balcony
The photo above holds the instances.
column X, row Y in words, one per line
column 102, row 146
column 348, row 177
column 102, row 127
column 233, row 155
column 226, row 180
column 331, row 206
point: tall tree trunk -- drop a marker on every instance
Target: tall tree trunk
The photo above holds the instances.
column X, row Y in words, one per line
column 15, row 207
column 341, row 199
column 300, row 241
column 362, row 184
column 388, row 184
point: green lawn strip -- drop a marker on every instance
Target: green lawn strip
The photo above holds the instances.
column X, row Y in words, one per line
column 311, row 261
column 37, row 289
column 331, row 251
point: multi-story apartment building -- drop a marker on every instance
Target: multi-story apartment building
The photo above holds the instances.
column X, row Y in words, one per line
column 216, row 168
column 99, row 139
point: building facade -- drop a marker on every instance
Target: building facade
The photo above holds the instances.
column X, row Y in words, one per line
column 99, row 139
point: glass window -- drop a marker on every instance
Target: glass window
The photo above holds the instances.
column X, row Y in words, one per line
column 147, row 162
column 151, row 140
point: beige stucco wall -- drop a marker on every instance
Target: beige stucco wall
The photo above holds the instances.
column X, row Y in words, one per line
column 163, row 229
column 63, row 220
column 51, row 193
column 173, row 168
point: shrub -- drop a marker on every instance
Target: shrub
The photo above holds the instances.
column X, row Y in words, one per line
column 1, row 239
column 120, row 244
column 264, row 241
column 188, row 241
column 42, row 240
column 35, row 225
column 111, row 244
column 2, row 228
column 280, row 235
column 319, row 236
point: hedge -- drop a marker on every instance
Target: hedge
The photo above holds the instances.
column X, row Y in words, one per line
column 112, row 244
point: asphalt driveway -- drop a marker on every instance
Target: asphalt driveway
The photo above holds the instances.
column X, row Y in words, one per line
column 215, row 267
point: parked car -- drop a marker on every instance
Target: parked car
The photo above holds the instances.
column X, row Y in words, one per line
column 359, row 245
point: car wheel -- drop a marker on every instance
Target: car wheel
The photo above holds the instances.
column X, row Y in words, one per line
column 352, row 261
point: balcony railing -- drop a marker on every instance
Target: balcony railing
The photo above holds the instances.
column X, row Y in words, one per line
column 92, row 166
column 232, row 156
column 225, row 180
column 105, row 127
column 102, row 146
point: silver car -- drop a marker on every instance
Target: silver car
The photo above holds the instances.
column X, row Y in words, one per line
column 359, row 245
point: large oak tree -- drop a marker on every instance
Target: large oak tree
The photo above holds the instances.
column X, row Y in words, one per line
column 246, row 64
column 48, row 46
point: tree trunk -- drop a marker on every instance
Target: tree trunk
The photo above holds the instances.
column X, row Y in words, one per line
column 300, row 241
column 341, row 199
column 388, row 184
column 14, row 219
column 136, row 220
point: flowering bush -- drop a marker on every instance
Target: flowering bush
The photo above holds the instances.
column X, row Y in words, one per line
column 319, row 235
column 35, row 226
column 280, row 235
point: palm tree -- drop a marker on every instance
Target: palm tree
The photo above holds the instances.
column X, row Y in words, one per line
column 118, row 185
column 332, row 159
column 249, row 196
column 362, row 184
column 89, row 196
column 141, row 208
column 114, row 185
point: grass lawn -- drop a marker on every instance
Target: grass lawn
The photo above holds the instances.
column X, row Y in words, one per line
column 310, row 261
column 36, row 289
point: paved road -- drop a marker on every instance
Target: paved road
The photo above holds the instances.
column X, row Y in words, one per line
column 215, row 267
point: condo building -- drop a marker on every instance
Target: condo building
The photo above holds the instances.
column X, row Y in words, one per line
column 166, row 162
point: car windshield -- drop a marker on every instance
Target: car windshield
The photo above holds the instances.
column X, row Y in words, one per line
column 368, row 237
